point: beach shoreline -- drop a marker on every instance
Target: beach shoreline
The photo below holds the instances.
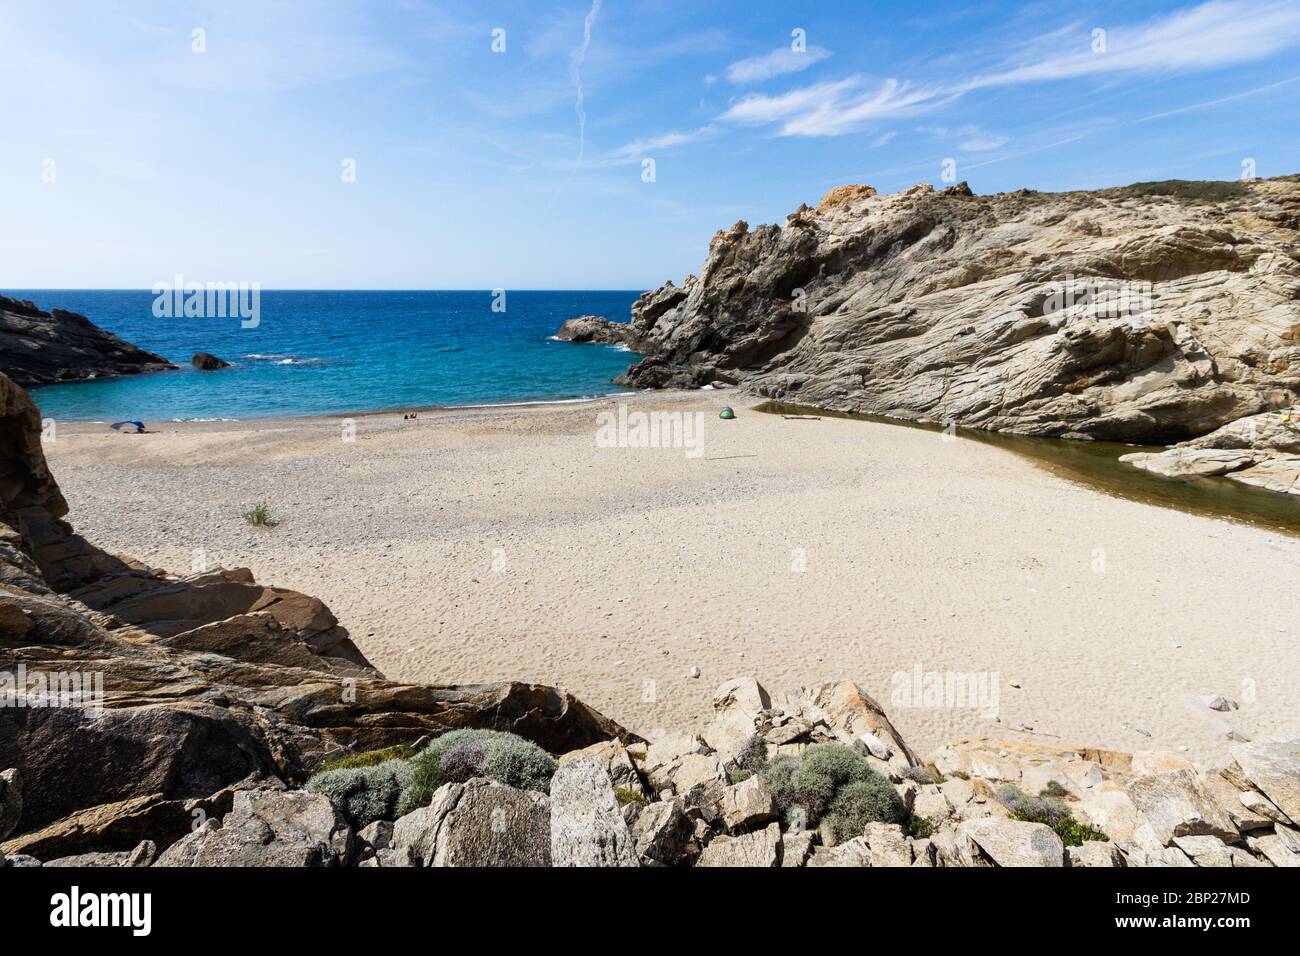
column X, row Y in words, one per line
column 503, row 542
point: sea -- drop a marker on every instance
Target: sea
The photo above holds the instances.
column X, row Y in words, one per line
column 321, row 353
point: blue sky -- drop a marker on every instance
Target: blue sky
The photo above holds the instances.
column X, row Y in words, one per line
column 524, row 168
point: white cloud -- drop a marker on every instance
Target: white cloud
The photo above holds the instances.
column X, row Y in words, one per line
column 983, row 143
column 829, row 109
column 639, row 149
column 1217, row 33
column 779, row 62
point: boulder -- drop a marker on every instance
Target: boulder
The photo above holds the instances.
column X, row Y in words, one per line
column 142, row 855
column 268, row 828
column 587, row 828
column 1014, row 842
column 887, row 844
column 1095, row 853
column 850, row 853
column 796, row 847
column 1262, row 807
column 760, row 848
column 661, row 832
column 1176, row 804
column 738, row 706
column 207, row 362
column 593, row 328
column 1273, row 848
column 1205, row 850
column 618, row 763
column 745, row 805
column 1273, row 766
column 476, row 823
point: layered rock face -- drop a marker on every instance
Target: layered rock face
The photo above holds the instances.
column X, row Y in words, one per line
column 132, row 700
column 1152, row 313
column 38, row 348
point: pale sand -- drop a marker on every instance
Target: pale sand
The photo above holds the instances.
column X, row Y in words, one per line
column 630, row 566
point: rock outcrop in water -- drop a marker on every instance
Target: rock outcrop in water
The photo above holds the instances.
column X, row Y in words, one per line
column 39, row 348
column 207, row 362
column 131, row 698
column 1260, row 450
column 1149, row 313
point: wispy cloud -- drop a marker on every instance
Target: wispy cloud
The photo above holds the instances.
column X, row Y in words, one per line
column 829, row 109
column 1214, row 34
column 1218, row 33
column 779, row 62
column 639, row 149
column 579, row 57
column 969, row 138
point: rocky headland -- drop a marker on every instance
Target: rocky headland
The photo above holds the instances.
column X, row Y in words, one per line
column 1153, row 313
column 40, row 348
column 206, row 719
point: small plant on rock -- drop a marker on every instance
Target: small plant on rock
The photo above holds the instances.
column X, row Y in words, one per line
column 921, row 775
column 919, row 828
column 751, row 759
column 1049, row 810
column 626, row 795
column 831, row 783
column 366, row 759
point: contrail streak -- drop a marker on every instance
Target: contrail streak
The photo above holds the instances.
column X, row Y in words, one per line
column 580, row 57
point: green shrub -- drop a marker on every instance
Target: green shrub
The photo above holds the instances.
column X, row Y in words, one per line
column 363, row 794
column 259, row 515
column 367, row 759
column 626, row 795
column 834, row 783
column 461, row 754
column 1049, row 810
column 919, row 827
column 873, row 800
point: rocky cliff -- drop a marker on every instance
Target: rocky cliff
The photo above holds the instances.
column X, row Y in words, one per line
column 38, row 348
column 1150, row 313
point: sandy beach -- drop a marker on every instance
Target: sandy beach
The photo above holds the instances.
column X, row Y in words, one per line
column 507, row 543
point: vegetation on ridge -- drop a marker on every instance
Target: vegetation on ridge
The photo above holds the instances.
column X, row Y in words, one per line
column 1207, row 190
column 387, row 784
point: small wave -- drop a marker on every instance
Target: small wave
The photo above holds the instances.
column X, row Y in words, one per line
column 282, row 359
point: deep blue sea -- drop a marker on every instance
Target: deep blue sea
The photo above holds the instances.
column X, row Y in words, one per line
column 331, row 352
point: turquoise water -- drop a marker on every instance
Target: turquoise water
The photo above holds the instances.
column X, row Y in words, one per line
column 331, row 352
